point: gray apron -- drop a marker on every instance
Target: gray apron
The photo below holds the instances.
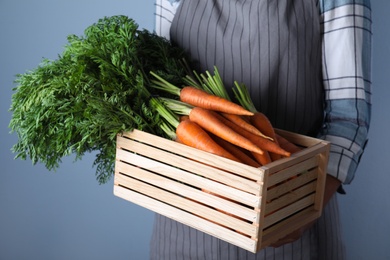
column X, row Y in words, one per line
column 274, row 48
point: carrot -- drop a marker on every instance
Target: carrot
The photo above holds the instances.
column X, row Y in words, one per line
column 236, row 151
column 261, row 122
column 240, row 121
column 263, row 143
column 207, row 120
column 264, row 158
column 191, row 134
column 187, row 132
column 200, row 98
column 184, row 117
column 287, row 145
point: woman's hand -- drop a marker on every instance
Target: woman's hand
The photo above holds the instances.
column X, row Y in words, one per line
column 331, row 186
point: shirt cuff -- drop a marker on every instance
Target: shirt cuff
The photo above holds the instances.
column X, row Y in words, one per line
column 344, row 158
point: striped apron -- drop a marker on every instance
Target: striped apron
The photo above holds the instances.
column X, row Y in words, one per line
column 274, row 48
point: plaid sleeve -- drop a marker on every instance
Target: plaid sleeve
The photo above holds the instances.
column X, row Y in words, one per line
column 165, row 11
column 346, row 50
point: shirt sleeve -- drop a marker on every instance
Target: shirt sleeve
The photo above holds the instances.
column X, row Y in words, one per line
column 346, row 52
column 165, row 11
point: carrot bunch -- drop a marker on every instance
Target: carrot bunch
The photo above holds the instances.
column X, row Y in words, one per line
column 204, row 117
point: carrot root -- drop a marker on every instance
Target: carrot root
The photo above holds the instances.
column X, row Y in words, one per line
column 240, row 121
column 209, row 121
column 199, row 98
column 236, row 151
column 263, row 143
column 287, row 145
column 191, row 134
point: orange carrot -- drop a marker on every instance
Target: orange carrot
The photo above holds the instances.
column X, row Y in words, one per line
column 191, row 134
column 200, row 98
column 236, row 151
column 184, row 117
column 264, row 158
column 263, row 143
column 261, row 122
column 287, row 145
column 207, row 120
column 240, row 121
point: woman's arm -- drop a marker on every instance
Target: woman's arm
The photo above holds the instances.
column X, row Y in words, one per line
column 165, row 11
column 346, row 52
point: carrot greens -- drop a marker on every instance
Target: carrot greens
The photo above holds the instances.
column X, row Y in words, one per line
column 98, row 87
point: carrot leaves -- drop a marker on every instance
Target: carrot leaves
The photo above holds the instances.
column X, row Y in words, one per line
column 98, row 87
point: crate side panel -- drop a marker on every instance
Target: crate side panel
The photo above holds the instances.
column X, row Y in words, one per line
column 192, row 165
column 298, row 157
column 291, row 197
column 293, row 170
column 291, row 184
column 195, row 154
column 186, row 218
column 192, row 192
column 187, row 177
column 288, row 211
column 186, row 204
column 285, row 227
column 298, row 139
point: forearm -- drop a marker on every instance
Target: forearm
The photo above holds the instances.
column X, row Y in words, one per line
column 332, row 184
column 346, row 50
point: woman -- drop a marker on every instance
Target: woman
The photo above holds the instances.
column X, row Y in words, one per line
column 307, row 65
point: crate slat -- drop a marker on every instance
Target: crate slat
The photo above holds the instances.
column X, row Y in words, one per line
column 196, row 194
column 186, row 218
column 293, row 170
column 291, row 197
column 190, row 178
column 195, row 154
column 189, row 164
column 288, row 210
column 288, row 225
column 187, row 204
column 290, row 185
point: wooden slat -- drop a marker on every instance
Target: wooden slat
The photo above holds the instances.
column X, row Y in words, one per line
column 291, row 197
column 274, row 233
column 195, row 154
column 295, row 158
column 290, row 185
column 189, row 178
column 292, row 171
column 171, row 159
column 301, row 140
column 184, row 190
column 187, row 218
column 321, row 181
column 187, row 205
column 287, row 211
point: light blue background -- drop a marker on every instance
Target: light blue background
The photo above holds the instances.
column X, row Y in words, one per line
column 67, row 215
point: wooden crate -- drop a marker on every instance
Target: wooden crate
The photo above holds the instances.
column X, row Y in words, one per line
column 243, row 205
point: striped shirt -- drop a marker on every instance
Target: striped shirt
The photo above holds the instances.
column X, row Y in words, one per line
column 346, row 74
